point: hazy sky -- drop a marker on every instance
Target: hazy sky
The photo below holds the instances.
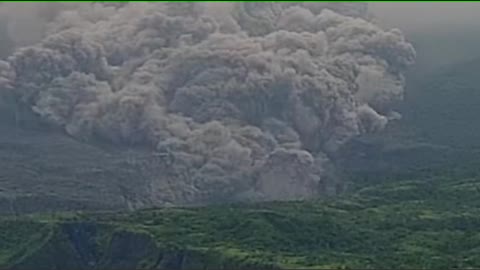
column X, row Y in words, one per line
column 419, row 15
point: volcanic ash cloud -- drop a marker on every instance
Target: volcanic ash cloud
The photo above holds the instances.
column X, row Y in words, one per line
column 252, row 98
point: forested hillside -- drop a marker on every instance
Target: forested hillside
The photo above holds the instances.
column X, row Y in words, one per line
column 428, row 223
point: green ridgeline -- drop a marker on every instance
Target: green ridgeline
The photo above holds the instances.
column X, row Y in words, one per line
column 428, row 224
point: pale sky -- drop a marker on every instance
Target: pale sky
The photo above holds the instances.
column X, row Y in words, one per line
column 410, row 16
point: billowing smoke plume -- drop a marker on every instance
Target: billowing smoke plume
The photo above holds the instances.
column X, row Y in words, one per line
column 245, row 96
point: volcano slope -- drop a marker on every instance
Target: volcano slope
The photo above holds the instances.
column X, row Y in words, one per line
column 418, row 224
column 413, row 202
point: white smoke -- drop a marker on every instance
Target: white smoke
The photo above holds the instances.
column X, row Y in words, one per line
column 255, row 95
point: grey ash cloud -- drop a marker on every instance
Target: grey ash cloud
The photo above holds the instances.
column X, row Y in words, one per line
column 252, row 99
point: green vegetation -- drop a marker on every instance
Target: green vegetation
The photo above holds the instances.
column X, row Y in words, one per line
column 431, row 224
